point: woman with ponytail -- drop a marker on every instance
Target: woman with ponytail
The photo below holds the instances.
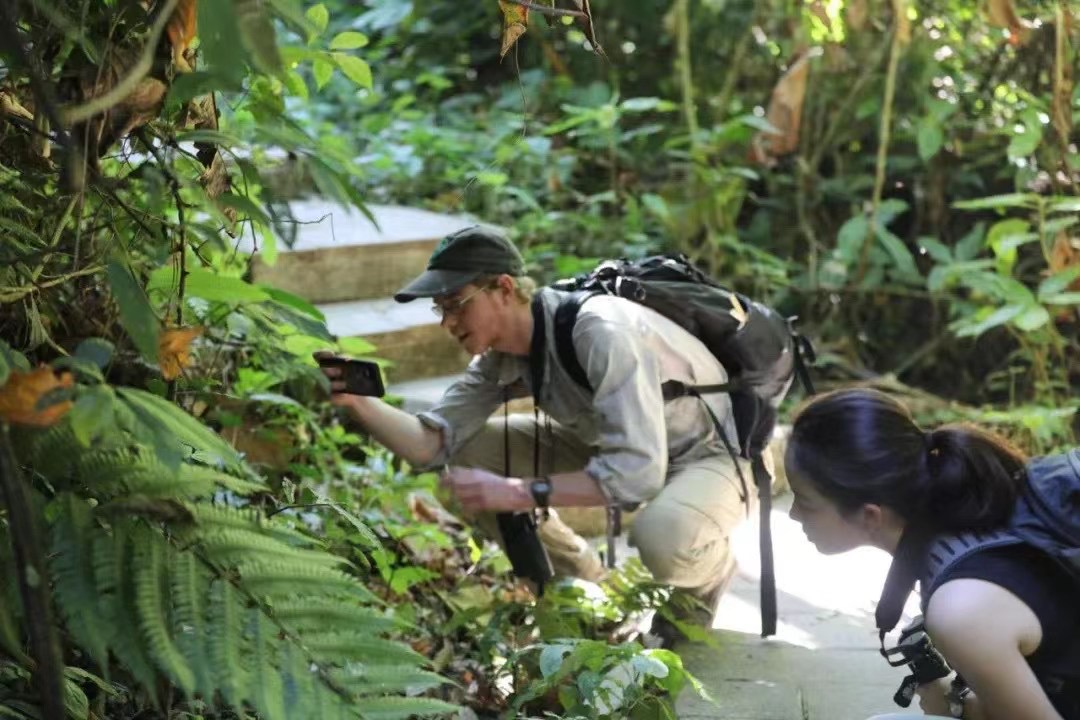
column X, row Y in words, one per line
column 863, row 473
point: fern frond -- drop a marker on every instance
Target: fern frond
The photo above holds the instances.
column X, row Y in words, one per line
column 151, row 579
column 284, row 577
column 208, row 516
column 383, row 679
column 228, row 647
column 402, row 708
column 190, row 587
column 342, row 647
column 232, row 545
column 116, row 590
column 53, row 451
column 75, row 587
column 266, row 690
column 314, row 613
column 203, row 476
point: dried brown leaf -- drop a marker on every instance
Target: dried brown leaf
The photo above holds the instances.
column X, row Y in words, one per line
column 23, row 391
column 784, row 113
column 515, row 23
column 174, row 350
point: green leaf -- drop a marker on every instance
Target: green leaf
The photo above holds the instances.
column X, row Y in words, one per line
column 1065, row 298
column 211, row 137
column 257, row 34
column 348, row 40
column 97, row 351
column 354, row 68
column 970, row 328
column 969, row 246
column 245, row 205
column 208, row 285
column 11, row 360
column 294, row 301
column 851, row 237
column 1026, row 140
column 1004, row 237
column 1012, row 200
column 187, row 86
column 401, row 708
column 1065, row 205
column 322, row 70
column 173, row 425
column 136, row 315
column 935, row 249
column 92, row 413
column 930, row 139
column 902, row 259
column 218, row 30
column 319, row 17
column 1032, row 319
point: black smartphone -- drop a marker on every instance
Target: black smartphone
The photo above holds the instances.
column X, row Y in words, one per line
column 361, row 377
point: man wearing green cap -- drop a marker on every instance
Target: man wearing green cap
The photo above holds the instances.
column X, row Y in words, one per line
column 620, row 444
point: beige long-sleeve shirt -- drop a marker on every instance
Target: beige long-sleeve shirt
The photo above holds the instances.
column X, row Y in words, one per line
column 627, row 351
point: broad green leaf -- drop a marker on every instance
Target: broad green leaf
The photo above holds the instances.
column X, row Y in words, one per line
column 1065, row 205
column 1032, row 318
column 1059, row 281
column 930, row 139
column 136, row 315
column 1065, row 298
column 1004, row 237
column 850, row 238
column 95, row 350
column 218, row 31
column 348, row 40
column 1012, row 200
column 92, row 413
column 294, row 301
column 551, row 658
column 401, row 708
column 188, row 86
column 645, row 104
column 974, row 328
column 294, row 81
column 902, row 259
column 212, row 137
column 257, row 34
column 935, row 249
column 11, row 360
column 969, row 246
column 245, row 205
column 1027, row 135
column 319, row 17
column 208, row 285
column 172, row 425
column 322, row 70
column 354, row 68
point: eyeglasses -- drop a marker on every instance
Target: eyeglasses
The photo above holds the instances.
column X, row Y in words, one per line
column 454, row 307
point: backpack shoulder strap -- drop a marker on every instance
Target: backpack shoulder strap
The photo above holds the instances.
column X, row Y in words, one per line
column 947, row 550
column 565, row 318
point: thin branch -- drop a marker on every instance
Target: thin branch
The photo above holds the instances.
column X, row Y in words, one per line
column 547, row 10
column 11, row 294
column 883, row 151
column 33, row 582
column 11, row 38
column 138, row 71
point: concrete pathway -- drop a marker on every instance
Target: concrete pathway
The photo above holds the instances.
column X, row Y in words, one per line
column 823, row 664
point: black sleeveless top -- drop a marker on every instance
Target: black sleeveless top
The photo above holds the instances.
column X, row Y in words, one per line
column 1052, row 595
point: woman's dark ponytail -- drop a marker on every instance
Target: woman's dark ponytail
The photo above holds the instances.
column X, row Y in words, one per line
column 862, row 446
column 974, row 478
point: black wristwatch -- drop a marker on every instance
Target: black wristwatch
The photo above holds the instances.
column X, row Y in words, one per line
column 541, row 492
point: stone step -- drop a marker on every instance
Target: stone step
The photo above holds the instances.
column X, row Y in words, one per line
column 339, row 254
column 407, row 334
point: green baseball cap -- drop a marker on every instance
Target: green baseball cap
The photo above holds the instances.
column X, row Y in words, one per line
column 460, row 258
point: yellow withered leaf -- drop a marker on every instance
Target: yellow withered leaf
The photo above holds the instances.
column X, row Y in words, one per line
column 174, row 350
column 20, row 395
column 515, row 22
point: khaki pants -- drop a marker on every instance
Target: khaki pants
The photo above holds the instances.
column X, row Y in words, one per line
column 682, row 535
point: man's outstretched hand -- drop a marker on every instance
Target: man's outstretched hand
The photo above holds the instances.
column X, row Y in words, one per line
column 477, row 490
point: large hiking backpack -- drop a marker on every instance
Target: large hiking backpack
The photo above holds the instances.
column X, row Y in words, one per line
column 757, row 347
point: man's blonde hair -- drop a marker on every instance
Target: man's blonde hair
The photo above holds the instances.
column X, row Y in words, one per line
column 524, row 286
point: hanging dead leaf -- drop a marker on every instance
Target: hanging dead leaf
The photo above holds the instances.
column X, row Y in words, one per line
column 21, row 395
column 1065, row 254
column 1002, row 13
column 174, row 350
column 784, row 114
column 515, row 22
column 586, row 20
column 181, row 30
column 856, row 14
